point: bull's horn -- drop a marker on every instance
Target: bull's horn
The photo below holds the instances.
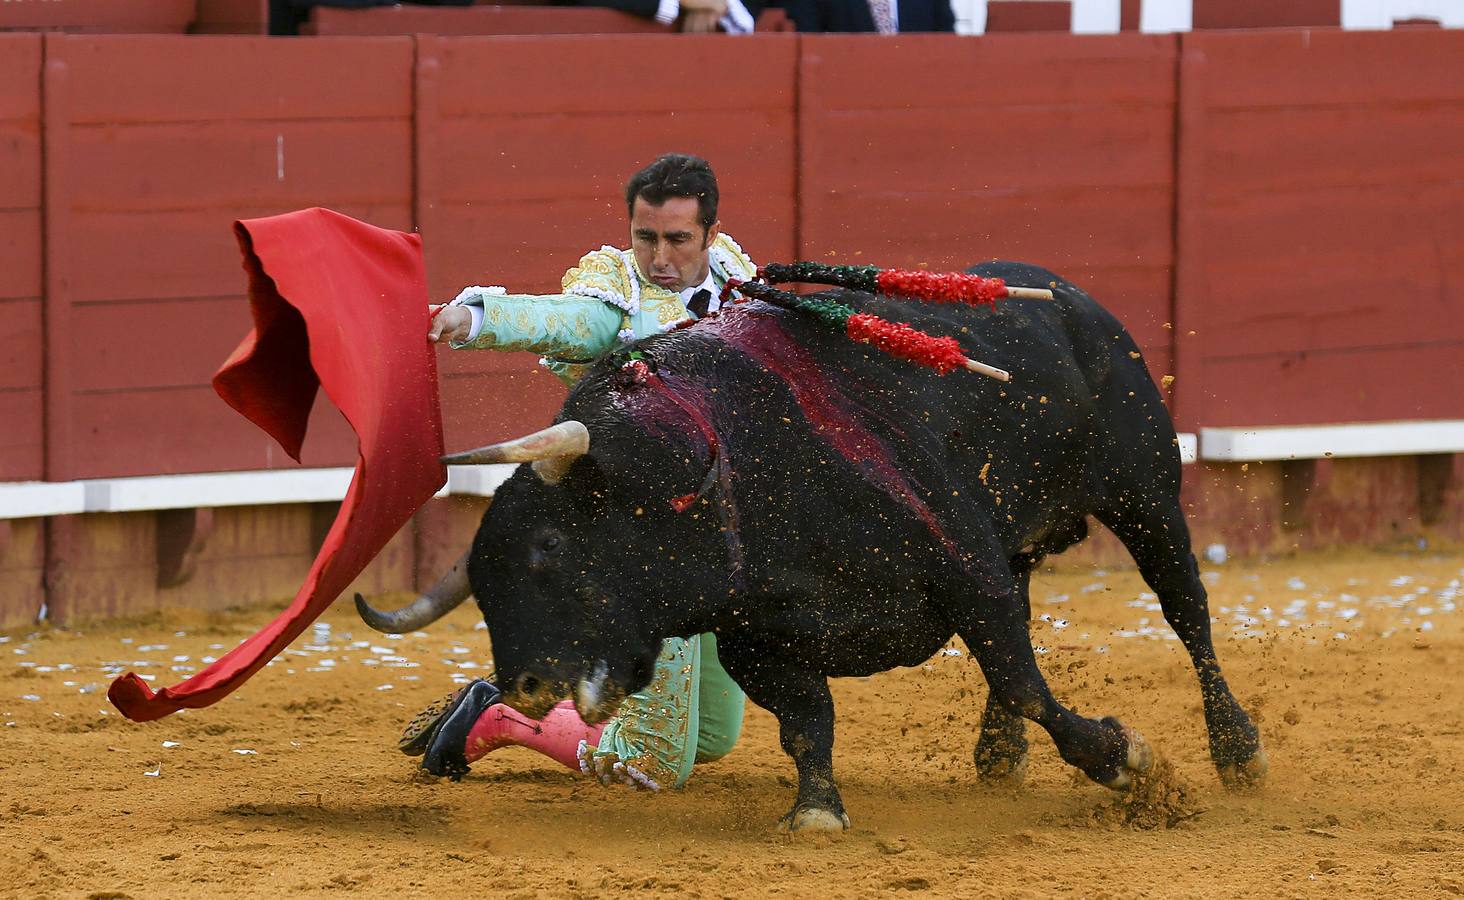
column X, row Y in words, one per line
column 550, row 450
column 436, row 602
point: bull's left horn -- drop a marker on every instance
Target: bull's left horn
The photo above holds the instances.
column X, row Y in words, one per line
column 436, row 602
column 551, row 450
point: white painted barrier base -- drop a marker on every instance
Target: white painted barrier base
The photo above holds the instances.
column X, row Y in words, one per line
column 1318, row 441
column 32, row 499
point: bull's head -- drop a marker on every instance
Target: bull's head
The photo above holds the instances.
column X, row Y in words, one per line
column 559, row 569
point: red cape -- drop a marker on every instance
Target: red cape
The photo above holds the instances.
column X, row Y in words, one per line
column 342, row 305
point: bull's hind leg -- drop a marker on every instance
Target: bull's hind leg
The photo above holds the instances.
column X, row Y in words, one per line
column 1001, row 751
column 995, row 629
column 1158, row 539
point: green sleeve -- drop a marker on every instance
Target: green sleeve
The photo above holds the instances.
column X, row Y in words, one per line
column 568, row 326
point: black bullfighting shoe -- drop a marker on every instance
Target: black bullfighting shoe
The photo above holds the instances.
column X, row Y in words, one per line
column 447, row 741
column 420, row 732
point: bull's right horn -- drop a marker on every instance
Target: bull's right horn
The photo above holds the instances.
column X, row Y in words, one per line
column 551, row 450
column 436, row 602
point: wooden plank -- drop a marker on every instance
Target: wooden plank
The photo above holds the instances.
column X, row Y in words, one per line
column 1334, row 269
column 136, row 345
column 104, row 565
column 514, row 17
column 1312, row 231
column 230, row 79
column 1266, row 14
column 153, row 432
column 20, row 121
column 1069, row 166
column 978, row 80
column 480, row 20
column 1360, row 385
column 166, row 143
column 20, row 345
column 22, row 439
column 1332, row 67
column 1129, row 15
column 1118, row 141
column 181, row 253
column 231, row 17
column 58, row 92
column 243, row 165
column 1361, row 145
column 1029, row 15
column 1187, row 397
column 478, row 410
column 597, row 75
column 22, row 571
column 20, row 253
column 20, row 65
column 100, row 16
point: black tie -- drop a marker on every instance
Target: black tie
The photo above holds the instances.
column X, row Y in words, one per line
column 698, row 302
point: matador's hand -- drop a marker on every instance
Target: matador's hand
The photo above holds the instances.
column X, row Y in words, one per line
column 449, row 323
column 697, row 22
column 608, row 769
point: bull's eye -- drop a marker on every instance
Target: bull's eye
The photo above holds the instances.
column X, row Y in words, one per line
column 551, row 543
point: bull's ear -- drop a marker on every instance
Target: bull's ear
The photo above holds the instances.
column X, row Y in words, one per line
column 587, row 487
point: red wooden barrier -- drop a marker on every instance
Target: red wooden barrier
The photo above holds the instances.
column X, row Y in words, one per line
column 525, row 18
column 21, row 435
column 97, row 16
column 479, row 20
column 154, row 146
column 1321, row 205
column 1320, row 147
column 931, row 150
column 529, row 143
column 1265, row 14
column 231, row 17
column 1028, row 15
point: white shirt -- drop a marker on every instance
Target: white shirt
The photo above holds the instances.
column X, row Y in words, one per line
column 709, row 285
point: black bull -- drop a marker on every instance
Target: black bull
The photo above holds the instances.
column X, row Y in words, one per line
column 827, row 510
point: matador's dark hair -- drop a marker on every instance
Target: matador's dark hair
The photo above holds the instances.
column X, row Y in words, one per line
column 676, row 175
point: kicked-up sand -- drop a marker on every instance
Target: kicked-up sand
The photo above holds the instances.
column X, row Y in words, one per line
column 1353, row 664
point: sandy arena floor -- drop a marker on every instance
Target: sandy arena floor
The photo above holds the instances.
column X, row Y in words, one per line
column 293, row 786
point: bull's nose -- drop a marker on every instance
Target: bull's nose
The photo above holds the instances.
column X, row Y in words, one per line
column 526, row 685
column 533, row 696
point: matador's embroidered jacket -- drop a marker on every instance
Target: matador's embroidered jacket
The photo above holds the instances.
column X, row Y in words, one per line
column 607, row 302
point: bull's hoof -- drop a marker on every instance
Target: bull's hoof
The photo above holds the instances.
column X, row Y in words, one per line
column 1001, row 757
column 1138, row 759
column 1247, row 775
column 1005, row 772
column 810, row 820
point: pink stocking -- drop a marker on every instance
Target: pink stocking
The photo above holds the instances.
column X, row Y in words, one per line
column 557, row 735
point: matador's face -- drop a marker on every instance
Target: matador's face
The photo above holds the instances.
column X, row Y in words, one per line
column 671, row 247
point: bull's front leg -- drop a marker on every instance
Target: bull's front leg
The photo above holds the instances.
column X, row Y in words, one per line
column 805, row 711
